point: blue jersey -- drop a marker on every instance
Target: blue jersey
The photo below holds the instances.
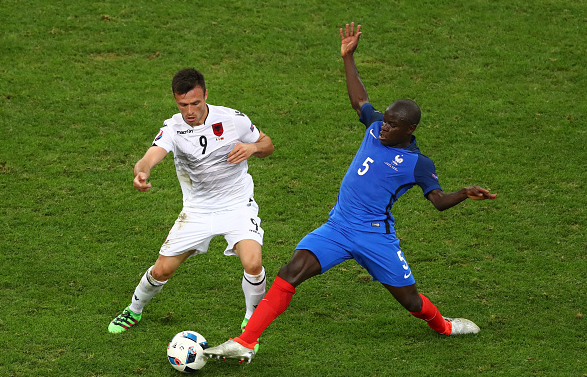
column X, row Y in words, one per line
column 377, row 177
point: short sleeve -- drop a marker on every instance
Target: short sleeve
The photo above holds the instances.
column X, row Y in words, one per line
column 425, row 174
column 369, row 115
column 164, row 139
column 247, row 131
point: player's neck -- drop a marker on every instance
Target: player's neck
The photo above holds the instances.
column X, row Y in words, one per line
column 204, row 117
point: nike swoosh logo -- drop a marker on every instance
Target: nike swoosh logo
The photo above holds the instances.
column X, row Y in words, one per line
column 407, row 275
column 372, row 134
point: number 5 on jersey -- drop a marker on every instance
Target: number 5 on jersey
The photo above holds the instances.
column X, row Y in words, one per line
column 368, row 161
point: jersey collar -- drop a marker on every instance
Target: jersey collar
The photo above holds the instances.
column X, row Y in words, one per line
column 413, row 146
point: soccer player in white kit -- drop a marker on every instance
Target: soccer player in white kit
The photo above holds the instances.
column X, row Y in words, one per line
column 211, row 145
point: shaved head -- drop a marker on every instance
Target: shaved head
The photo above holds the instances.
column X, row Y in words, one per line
column 407, row 110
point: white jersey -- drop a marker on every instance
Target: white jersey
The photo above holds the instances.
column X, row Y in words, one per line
column 208, row 182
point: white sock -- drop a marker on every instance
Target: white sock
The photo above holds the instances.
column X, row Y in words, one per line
column 148, row 287
column 254, row 290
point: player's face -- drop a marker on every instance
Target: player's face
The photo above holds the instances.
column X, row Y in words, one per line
column 192, row 106
column 395, row 132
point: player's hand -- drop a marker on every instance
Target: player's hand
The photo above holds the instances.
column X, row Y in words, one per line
column 479, row 193
column 349, row 39
column 241, row 152
column 140, row 182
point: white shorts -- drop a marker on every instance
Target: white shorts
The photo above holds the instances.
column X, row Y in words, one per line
column 194, row 231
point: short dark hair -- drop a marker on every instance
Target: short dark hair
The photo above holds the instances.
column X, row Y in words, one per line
column 186, row 80
column 408, row 110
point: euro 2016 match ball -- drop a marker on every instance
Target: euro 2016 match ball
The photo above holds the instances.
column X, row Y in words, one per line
column 186, row 351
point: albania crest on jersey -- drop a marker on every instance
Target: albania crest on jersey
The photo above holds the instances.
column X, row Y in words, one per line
column 218, row 129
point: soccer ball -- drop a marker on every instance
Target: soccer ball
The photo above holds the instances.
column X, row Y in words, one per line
column 186, row 351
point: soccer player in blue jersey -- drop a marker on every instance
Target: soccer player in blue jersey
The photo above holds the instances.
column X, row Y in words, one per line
column 361, row 226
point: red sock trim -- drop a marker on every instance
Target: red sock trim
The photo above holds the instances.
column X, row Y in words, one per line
column 284, row 285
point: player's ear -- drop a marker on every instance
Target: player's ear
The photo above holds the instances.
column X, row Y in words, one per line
column 206, row 95
column 412, row 128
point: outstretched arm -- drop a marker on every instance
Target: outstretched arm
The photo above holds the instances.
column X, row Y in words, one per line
column 263, row 147
column 356, row 89
column 442, row 200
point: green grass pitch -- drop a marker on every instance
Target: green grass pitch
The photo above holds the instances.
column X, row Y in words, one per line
column 85, row 86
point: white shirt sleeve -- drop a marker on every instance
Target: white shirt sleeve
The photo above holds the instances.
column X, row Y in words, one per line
column 247, row 131
column 164, row 139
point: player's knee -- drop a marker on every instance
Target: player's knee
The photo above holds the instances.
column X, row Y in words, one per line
column 302, row 266
column 160, row 274
column 254, row 269
column 252, row 263
column 295, row 273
